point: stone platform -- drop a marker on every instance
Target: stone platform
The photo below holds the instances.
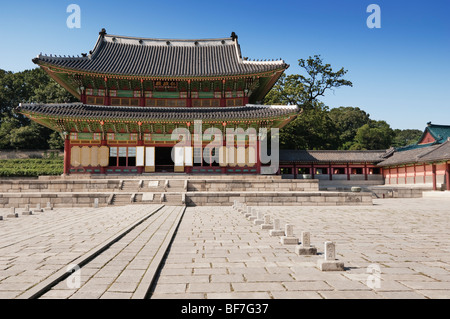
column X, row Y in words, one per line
column 175, row 191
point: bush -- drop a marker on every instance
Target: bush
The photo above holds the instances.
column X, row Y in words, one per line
column 31, row 167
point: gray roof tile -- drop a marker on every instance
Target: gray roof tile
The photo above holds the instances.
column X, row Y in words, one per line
column 79, row 110
column 155, row 58
column 331, row 156
column 409, row 156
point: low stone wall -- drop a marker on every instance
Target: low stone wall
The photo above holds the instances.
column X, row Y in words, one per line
column 111, row 185
column 400, row 192
column 19, row 200
column 159, row 176
column 14, row 186
column 278, row 199
column 253, row 185
column 57, row 200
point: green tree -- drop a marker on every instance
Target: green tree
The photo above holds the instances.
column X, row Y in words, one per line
column 23, row 87
column 287, row 91
column 33, row 136
column 376, row 135
column 348, row 120
column 313, row 129
column 8, row 125
column 304, row 90
column 55, row 142
column 406, row 137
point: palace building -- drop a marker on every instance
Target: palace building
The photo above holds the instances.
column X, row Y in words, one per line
column 134, row 92
column 425, row 162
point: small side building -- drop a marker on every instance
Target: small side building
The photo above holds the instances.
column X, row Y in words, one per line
column 425, row 163
column 331, row 165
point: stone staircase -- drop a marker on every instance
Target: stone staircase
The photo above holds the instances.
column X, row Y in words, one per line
column 129, row 185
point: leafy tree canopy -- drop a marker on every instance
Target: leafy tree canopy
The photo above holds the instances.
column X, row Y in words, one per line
column 28, row 86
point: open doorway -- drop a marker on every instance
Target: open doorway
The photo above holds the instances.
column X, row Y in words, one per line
column 163, row 160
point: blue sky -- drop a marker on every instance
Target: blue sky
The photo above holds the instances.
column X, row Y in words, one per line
column 400, row 72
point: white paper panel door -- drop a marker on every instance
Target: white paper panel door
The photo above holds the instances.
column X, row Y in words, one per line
column 179, row 156
column 149, row 156
column 188, row 156
column 140, row 156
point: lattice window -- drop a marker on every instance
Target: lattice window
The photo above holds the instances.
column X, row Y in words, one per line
column 125, row 102
column 95, row 100
column 235, row 102
column 206, row 102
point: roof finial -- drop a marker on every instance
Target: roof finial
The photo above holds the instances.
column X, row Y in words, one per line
column 429, row 123
column 233, row 36
column 102, row 33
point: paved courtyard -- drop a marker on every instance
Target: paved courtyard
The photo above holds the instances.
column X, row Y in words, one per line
column 397, row 248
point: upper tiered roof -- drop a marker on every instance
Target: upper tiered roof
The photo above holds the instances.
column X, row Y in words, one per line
column 163, row 58
column 160, row 114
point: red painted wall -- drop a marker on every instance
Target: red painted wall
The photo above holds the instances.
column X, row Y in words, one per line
column 427, row 139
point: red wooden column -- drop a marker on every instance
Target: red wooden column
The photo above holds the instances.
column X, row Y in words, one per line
column 189, row 95
column 365, row 171
column 83, row 97
column 424, row 173
column 223, row 102
column 312, row 171
column 447, row 176
column 67, row 155
column 433, row 172
column 348, row 172
column 330, row 173
column 104, row 142
column 107, row 97
column 142, row 98
column 258, row 157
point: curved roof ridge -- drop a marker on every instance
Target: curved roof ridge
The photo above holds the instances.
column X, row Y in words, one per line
column 165, row 39
column 135, row 56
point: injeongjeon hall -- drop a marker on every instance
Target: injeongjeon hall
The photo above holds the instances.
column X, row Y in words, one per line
column 134, row 92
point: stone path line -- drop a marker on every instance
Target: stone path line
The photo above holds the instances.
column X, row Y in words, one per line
column 47, row 243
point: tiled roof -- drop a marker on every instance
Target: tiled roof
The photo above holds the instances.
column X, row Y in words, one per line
column 99, row 112
column 331, row 156
column 408, row 156
column 121, row 55
column 440, row 153
column 440, row 132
